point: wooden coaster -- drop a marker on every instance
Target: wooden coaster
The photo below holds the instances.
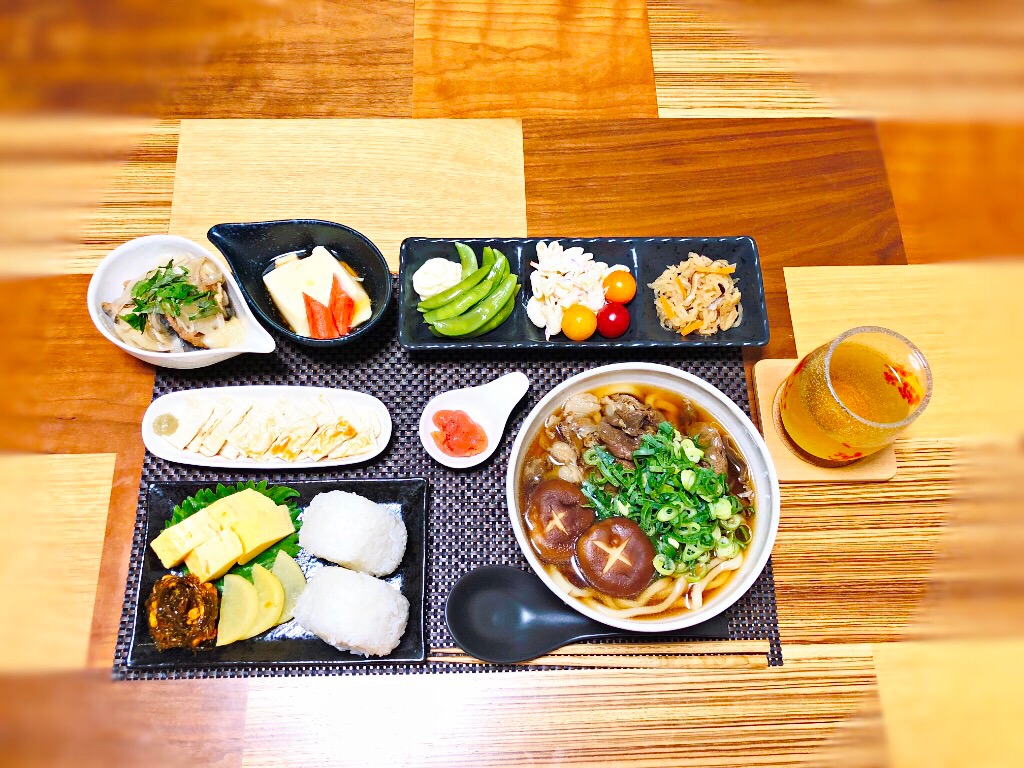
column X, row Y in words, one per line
column 791, row 468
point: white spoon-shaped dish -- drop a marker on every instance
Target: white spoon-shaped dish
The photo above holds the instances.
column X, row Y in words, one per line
column 489, row 405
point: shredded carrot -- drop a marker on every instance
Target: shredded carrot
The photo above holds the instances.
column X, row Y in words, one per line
column 716, row 270
column 682, row 290
column 691, row 327
column 668, row 308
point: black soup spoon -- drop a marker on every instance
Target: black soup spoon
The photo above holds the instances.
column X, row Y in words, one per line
column 503, row 615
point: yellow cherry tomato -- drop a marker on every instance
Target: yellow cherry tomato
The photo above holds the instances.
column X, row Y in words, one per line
column 579, row 323
column 619, row 287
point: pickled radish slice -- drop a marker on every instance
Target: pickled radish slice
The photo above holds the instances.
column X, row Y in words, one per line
column 458, row 435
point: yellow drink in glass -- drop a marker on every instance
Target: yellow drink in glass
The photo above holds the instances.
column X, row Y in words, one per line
column 853, row 396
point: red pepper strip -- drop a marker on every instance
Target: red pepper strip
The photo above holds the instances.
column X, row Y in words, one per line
column 321, row 324
column 342, row 307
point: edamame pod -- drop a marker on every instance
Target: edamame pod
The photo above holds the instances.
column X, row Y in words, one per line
column 481, row 313
column 498, row 319
column 444, row 297
column 466, row 300
column 461, row 303
column 467, row 258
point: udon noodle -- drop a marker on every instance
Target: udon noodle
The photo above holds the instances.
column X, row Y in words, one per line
column 623, row 553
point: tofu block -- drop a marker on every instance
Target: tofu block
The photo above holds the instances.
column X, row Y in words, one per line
column 314, row 276
column 257, row 521
column 215, row 557
column 175, row 542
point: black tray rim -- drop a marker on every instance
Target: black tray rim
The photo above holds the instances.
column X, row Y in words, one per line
column 758, row 300
column 174, row 668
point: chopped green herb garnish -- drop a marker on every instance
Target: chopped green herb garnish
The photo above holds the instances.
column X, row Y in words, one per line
column 685, row 508
column 168, row 290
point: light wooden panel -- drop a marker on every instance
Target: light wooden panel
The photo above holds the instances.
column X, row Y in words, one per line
column 821, row 704
column 949, row 704
column 853, row 562
column 513, row 58
column 703, row 68
column 389, row 179
column 913, row 59
column 53, row 525
column 808, row 191
column 957, row 188
column 223, row 58
column 55, row 176
column 966, row 319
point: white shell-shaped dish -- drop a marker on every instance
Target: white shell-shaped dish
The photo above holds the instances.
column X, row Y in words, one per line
column 174, row 403
column 134, row 259
column 489, row 405
column 726, row 413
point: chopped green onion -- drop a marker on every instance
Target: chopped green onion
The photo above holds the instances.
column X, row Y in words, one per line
column 692, row 452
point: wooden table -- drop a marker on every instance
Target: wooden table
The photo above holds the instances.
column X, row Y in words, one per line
column 897, row 626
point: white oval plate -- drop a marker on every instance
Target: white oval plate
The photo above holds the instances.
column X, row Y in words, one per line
column 174, row 401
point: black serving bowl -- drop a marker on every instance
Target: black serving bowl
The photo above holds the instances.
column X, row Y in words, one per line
column 251, row 249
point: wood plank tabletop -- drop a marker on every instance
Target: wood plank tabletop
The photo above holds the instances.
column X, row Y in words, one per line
column 858, row 145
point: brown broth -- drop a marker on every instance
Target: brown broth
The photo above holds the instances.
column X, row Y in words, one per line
column 677, row 410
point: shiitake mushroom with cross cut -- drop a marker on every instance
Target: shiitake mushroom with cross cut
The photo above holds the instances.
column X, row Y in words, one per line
column 616, row 557
column 555, row 518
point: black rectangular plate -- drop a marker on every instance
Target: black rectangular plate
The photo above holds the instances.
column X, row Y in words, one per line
column 288, row 645
column 646, row 258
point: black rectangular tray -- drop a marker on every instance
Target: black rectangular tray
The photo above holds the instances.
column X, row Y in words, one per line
column 288, row 645
column 646, row 258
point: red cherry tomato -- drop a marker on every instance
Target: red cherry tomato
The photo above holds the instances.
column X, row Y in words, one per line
column 612, row 321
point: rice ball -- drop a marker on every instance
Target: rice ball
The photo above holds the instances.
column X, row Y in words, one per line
column 353, row 612
column 353, row 531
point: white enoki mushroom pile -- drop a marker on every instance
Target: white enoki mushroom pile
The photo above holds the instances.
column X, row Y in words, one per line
column 562, row 278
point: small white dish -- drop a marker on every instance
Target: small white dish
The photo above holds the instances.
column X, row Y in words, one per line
column 489, row 405
column 174, row 402
column 130, row 261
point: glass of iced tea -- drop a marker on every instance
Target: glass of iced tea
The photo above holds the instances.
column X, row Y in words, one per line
column 853, row 396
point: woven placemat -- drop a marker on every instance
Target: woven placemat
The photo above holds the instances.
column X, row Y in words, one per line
column 468, row 524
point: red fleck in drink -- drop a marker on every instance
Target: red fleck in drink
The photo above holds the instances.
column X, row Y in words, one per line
column 853, row 396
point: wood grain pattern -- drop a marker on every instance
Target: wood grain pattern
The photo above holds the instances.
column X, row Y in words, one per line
column 808, row 191
column 768, row 377
column 50, row 567
column 957, row 188
column 836, row 576
column 224, row 58
column 513, row 58
column 923, row 693
column 85, row 719
column 820, row 705
column 908, row 299
column 56, row 174
column 389, row 179
column 703, row 68
column 915, row 59
column 94, row 405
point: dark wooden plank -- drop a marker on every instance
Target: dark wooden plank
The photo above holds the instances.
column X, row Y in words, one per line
column 480, row 58
column 226, row 58
column 69, row 390
column 809, row 191
column 85, row 719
